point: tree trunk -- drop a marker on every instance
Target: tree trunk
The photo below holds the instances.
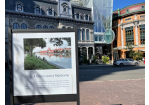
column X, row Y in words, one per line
column 31, row 47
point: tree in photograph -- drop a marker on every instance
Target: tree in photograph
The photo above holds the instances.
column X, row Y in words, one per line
column 30, row 44
column 59, row 41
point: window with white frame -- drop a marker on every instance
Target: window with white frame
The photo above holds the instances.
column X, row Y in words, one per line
column 83, row 34
column 65, row 7
column 87, row 34
column 50, row 11
column 77, row 15
column 19, row 7
column 37, row 9
column 86, row 17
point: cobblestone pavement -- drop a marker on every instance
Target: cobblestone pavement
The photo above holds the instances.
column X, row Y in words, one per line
column 125, row 92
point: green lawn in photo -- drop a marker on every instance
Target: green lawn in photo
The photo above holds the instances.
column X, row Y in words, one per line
column 33, row 63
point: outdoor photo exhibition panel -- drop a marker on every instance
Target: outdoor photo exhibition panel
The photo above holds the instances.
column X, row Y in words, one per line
column 44, row 66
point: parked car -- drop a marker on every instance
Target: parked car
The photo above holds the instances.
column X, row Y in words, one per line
column 127, row 61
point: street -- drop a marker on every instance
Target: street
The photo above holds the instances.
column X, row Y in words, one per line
column 107, row 73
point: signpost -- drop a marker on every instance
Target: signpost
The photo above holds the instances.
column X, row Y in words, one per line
column 43, row 65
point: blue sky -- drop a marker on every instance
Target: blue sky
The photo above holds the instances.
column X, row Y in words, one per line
column 123, row 3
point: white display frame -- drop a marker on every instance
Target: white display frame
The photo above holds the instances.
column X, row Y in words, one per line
column 20, row 77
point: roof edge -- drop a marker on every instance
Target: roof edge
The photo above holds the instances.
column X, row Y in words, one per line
column 81, row 7
column 130, row 6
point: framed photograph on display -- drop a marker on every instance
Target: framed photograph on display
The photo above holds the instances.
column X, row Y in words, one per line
column 43, row 65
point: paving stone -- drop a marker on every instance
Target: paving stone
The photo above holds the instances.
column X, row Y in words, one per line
column 125, row 92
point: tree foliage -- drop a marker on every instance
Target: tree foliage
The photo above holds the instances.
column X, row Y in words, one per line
column 60, row 41
column 138, row 56
column 30, row 44
column 105, row 59
column 130, row 49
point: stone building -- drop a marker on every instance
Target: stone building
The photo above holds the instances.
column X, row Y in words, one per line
column 50, row 14
column 129, row 28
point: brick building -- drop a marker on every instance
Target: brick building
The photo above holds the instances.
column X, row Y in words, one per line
column 129, row 27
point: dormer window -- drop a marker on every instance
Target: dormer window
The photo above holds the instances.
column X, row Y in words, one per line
column 50, row 11
column 86, row 17
column 77, row 16
column 65, row 7
column 37, row 9
column 19, row 7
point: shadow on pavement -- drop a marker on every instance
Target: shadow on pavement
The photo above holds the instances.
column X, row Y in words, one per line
column 90, row 73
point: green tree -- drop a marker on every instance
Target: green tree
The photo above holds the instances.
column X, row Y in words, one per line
column 105, row 59
column 138, row 56
column 59, row 41
column 130, row 49
column 30, row 44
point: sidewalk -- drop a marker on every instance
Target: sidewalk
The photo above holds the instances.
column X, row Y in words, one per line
column 125, row 92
